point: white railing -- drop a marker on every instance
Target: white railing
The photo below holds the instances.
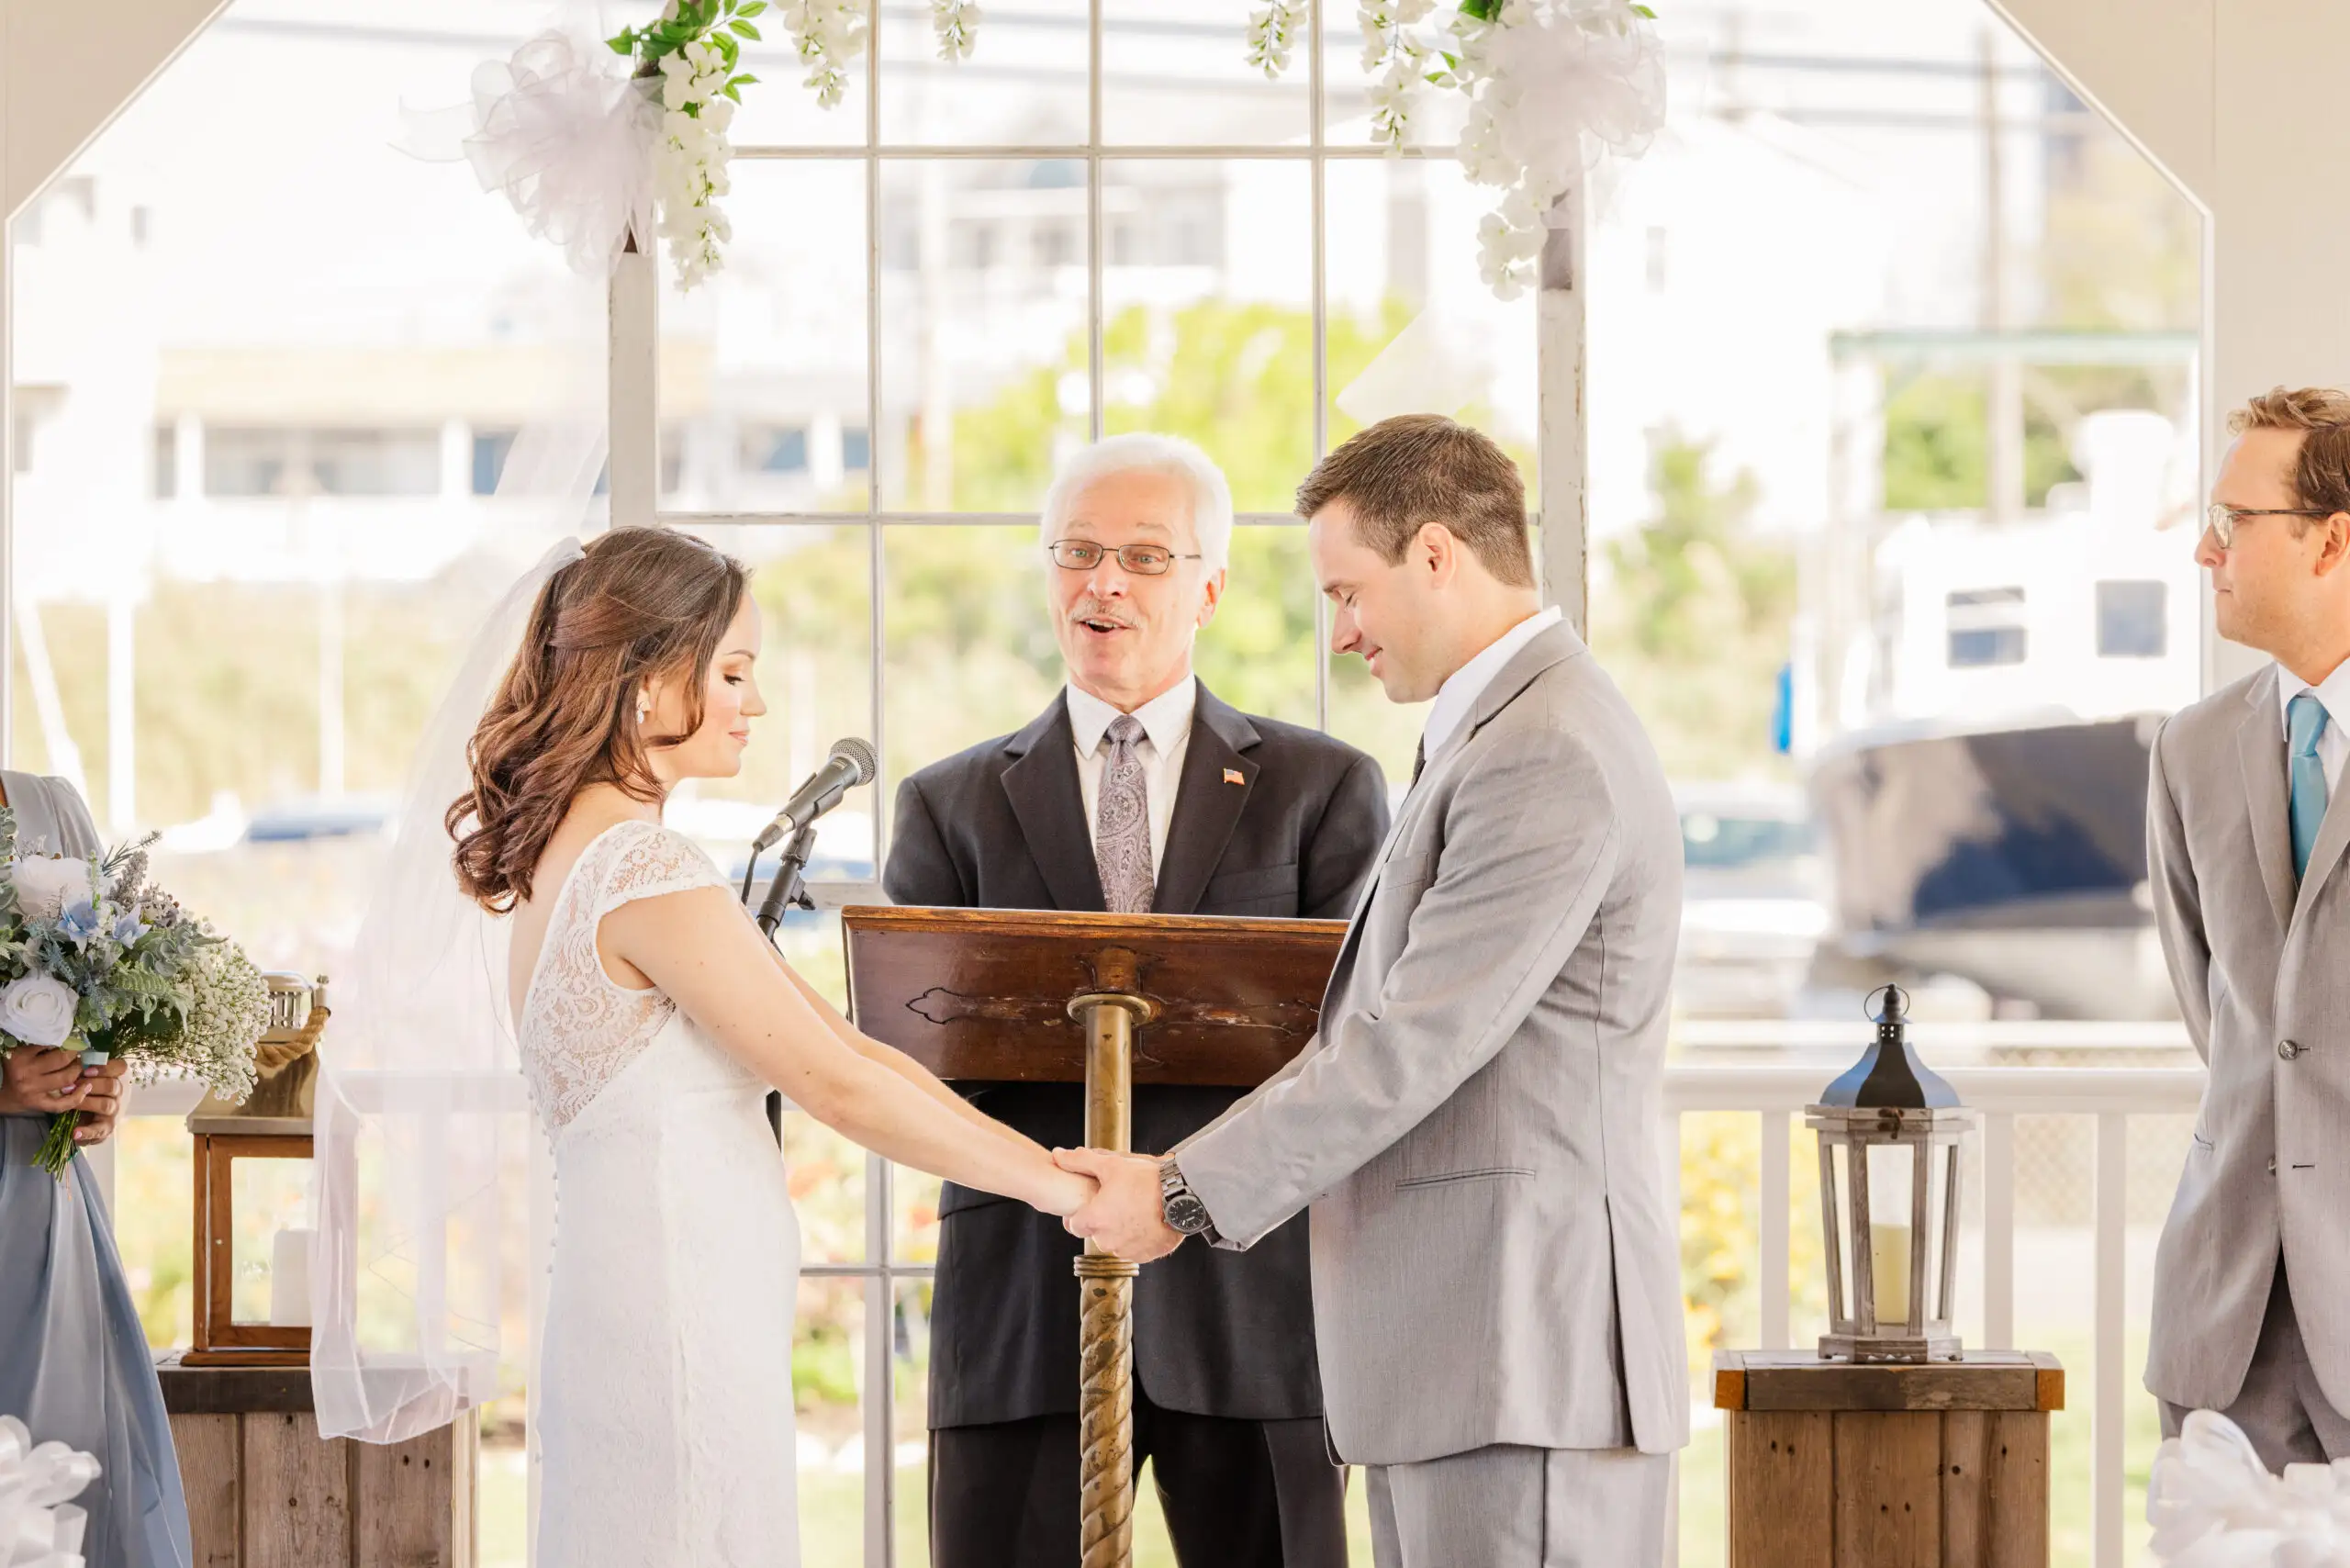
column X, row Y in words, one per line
column 1776, row 1096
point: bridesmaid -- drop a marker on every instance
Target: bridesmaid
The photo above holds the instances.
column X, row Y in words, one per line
column 74, row 1360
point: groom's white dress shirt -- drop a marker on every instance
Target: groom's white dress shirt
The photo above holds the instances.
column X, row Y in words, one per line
column 1456, row 698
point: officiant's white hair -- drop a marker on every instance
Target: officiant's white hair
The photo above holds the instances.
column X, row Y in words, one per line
column 1144, row 453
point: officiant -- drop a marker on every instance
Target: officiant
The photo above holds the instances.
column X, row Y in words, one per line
column 1135, row 791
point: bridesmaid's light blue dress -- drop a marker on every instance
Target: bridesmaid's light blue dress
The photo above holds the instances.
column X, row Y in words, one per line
column 75, row 1364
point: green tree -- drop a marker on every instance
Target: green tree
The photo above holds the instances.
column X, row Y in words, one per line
column 1691, row 613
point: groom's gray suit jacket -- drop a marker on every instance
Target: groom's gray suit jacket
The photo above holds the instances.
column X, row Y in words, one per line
column 2262, row 967
column 1475, row 1124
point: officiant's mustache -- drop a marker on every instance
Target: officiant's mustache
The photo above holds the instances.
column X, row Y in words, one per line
column 1093, row 612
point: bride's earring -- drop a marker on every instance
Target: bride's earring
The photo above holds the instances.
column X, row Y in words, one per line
column 644, row 707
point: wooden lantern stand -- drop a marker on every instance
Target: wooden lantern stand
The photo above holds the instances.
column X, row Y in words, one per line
column 1935, row 1464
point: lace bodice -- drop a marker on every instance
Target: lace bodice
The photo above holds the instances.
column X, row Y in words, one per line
column 580, row 1027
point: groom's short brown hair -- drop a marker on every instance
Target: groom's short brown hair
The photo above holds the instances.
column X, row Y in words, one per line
column 1406, row 472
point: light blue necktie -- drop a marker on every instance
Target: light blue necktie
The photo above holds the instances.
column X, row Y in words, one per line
column 2304, row 773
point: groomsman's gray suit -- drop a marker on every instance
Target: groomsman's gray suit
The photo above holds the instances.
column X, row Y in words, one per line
column 2252, row 1281
column 1496, row 1289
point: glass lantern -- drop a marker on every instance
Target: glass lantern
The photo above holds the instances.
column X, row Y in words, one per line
column 252, row 1193
column 1890, row 1149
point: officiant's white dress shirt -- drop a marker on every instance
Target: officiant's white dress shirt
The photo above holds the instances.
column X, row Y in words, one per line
column 1167, row 735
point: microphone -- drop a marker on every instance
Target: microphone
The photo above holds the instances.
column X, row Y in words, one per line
column 851, row 764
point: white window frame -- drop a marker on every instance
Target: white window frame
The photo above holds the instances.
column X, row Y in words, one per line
column 634, row 492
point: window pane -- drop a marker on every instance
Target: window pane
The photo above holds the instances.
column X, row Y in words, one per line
column 971, row 652
column 1412, row 329
column 1435, row 118
column 1177, row 72
column 1208, row 331
column 827, row 1189
column 983, row 353
column 828, row 1386
column 762, row 387
column 812, row 588
column 1258, row 654
column 779, row 111
column 1025, row 84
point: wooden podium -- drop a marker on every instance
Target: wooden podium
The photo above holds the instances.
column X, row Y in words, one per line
column 1108, row 1001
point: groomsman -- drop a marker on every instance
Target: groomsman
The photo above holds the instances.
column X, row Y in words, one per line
column 1136, row 789
column 2252, row 1281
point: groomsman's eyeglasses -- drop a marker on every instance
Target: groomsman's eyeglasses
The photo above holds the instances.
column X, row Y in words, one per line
column 1143, row 560
column 2223, row 518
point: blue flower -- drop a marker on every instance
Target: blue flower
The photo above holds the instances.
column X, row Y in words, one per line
column 81, row 922
column 129, row 929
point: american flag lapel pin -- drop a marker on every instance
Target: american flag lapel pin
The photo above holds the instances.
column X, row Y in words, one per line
column 1232, row 776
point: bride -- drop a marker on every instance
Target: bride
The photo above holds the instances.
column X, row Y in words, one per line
column 652, row 1017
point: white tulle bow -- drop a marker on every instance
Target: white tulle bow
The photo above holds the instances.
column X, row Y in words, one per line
column 562, row 131
column 38, row 1527
column 2213, row 1505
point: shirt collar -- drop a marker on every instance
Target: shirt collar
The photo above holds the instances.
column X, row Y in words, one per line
column 2332, row 695
column 1457, row 696
column 1166, row 718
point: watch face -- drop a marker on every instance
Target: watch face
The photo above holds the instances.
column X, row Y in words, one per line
column 1186, row 1213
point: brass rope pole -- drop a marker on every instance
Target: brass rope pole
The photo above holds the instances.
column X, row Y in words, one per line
column 1106, row 1282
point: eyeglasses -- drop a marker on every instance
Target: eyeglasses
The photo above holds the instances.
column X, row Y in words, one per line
column 1143, row 560
column 2222, row 517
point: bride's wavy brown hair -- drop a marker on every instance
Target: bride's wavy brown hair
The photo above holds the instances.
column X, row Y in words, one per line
column 643, row 604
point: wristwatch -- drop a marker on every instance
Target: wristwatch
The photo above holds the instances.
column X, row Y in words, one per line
column 1179, row 1205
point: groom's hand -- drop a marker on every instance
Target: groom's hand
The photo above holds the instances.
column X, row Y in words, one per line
column 1126, row 1217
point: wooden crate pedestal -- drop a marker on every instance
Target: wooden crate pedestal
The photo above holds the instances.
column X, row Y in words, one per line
column 1943, row 1464
column 263, row 1491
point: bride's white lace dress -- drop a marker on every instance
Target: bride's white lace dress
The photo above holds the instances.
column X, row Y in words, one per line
column 665, row 1418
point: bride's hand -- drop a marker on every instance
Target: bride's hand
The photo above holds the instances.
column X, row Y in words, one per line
column 1064, row 1192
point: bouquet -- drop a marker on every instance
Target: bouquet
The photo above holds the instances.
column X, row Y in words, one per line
column 96, row 958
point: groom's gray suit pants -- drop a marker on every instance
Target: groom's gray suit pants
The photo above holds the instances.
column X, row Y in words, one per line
column 1521, row 1507
column 2280, row 1407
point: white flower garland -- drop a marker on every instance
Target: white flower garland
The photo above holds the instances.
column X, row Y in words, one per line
column 1398, row 60
column 1272, row 33
column 1553, row 84
column 828, row 33
column 954, row 22
column 689, row 160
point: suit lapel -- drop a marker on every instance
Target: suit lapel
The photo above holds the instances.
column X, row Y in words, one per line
column 1553, row 645
column 1040, row 784
column 2260, row 751
column 1207, row 803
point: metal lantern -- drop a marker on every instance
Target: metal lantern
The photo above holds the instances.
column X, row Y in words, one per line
column 1889, row 1132
column 252, row 1186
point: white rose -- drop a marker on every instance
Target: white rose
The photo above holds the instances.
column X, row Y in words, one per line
column 38, row 1010
column 48, row 884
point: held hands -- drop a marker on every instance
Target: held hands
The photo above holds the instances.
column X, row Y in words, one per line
column 1124, row 1217
column 48, row 1081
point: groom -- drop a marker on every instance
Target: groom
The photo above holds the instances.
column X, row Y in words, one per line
column 1495, row 1287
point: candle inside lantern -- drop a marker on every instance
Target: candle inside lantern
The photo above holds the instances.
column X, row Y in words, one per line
column 1889, row 1267
column 289, row 1279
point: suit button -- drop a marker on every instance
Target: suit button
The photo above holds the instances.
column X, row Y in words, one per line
column 2288, row 1050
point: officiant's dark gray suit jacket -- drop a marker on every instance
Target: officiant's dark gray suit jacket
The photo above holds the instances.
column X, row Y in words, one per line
column 1003, row 826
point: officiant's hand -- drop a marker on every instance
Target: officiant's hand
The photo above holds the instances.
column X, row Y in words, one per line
column 42, row 1080
column 1126, row 1216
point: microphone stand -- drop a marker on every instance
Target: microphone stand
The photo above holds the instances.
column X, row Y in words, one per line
column 788, row 891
